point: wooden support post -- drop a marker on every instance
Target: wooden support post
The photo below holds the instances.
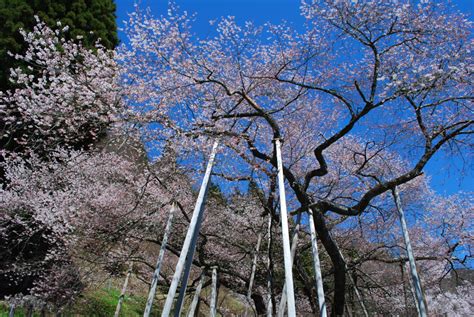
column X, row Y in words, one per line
column 294, row 245
column 122, row 293
column 156, row 274
column 187, row 268
column 411, row 258
column 356, row 290
column 252, row 274
column 197, row 293
column 285, row 235
column 412, row 292
column 317, row 267
column 269, row 278
column 11, row 313
column 359, row 297
column 213, row 305
column 29, row 310
column 194, row 224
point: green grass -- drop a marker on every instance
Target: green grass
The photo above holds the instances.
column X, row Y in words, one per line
column 19, row 311
column 103, row 301
column 4, row 309
column 97, row 303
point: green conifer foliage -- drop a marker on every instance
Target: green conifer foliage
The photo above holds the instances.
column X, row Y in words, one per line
column 91, row 19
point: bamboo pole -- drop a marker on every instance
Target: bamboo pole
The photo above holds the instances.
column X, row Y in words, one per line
column 198, row 210
column 411, row 259
column 285, row 234
column 156, row 274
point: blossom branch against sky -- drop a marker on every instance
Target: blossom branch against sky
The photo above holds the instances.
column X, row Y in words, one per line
column 447, row 175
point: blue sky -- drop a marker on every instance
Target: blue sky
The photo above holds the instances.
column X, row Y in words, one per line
column 448, row 176
column 258, row 11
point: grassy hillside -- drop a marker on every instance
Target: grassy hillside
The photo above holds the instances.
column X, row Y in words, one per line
column 102, row 302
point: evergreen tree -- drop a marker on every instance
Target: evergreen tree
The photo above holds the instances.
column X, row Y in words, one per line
column 91, row 19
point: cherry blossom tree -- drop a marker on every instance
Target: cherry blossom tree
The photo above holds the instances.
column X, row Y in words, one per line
column 63, row 193
column 353, row 128
column 376, row 256
column 68, row 94
column 401, row 97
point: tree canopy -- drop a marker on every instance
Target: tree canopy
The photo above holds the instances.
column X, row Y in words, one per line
column 88, row 19
column 362, row 99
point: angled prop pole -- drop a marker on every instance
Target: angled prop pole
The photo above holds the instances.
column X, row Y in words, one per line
column 197, row 293
column 213, row 305
column 193, row 225
column 124, row 290
column 187, row 268
column 252, row 274
column 411, row 259
column 156, row 274
column 317, row 266
column 356, row 290
column 286, row 235
column 359, row 297
column 269, row 264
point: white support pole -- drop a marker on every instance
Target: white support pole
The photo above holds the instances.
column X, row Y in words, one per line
column 187, row 268
column 359, row 297
column 198, row 209
column 412, row 292
column 348, row 310
column 122, row 293
column 286, row 235
column 11, row 313
column 414, row 274
column 269, row 280
column 197, row 293
column 317, row 266
column 213, row 305
column 156, row 274
column 29, row 311
column 294, row 244
column 252, row 274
